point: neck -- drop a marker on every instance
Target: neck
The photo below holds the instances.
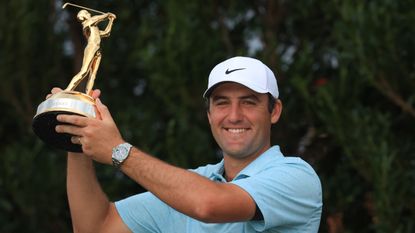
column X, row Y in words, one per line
column 233, row 166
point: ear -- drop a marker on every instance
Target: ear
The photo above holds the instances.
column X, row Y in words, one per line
column 276, row 111
column 208, row 115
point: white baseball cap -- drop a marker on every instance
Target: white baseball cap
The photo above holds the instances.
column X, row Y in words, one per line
column 247, row 71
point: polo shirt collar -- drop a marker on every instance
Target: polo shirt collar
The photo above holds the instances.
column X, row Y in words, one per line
column 259, row 163
column 254, row 167
column 217, row 172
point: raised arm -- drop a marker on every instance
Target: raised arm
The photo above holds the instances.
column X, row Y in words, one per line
column 91, row 211
column 186, row 191
column 106, row 32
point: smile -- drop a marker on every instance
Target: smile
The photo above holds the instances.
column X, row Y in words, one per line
column 236, row 131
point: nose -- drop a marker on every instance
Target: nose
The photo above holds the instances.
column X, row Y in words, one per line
column 235, row 113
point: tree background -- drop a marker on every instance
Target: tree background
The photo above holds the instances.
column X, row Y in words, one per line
column 346, row 76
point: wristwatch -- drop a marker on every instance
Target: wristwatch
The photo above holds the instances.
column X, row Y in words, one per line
column 120, row 154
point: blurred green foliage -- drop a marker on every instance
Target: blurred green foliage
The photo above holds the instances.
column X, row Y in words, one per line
column 345, row 70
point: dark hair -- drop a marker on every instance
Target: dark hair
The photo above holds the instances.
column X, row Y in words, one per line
column 271, row 102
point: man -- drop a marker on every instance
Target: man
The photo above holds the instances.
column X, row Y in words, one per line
column 253, row 189
column 92, row 54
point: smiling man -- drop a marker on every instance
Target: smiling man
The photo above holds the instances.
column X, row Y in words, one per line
column 253, row 189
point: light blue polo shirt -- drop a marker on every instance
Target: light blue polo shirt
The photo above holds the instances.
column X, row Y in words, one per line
column 286, row 190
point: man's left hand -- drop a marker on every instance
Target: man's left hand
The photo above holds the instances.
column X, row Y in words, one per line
column 96, row 135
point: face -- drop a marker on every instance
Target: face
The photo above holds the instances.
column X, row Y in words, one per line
column 83, row 15
column 240, row 120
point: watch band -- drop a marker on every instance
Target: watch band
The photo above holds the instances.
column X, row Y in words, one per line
column 116, row 163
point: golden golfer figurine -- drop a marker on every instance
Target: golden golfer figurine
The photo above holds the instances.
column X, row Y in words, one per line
column 70, row 101
column 92, row 54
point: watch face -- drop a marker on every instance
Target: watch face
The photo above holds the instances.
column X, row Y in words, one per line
column 121, row 153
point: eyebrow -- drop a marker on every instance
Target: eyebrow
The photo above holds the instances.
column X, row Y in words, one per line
column 252, row 96
column 221, row 97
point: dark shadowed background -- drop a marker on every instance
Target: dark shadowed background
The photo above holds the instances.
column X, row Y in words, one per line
column 346, row 72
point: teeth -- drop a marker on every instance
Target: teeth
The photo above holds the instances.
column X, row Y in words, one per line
column 236, row 130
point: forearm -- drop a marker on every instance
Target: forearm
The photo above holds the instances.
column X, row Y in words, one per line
column 107, row 30
column 186, row 191
column 88, row 203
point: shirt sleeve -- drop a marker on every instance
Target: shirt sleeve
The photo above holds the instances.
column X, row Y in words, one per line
column 145, row 213
column 286, row 194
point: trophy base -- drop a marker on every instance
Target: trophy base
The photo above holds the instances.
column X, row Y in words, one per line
column 65, row 102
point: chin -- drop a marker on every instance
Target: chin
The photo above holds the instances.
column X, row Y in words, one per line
column 237, row 154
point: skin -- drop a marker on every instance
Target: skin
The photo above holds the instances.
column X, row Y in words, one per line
column 240, row 122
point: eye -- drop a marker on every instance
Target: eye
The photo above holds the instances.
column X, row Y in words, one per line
column 220, row 102
column 249, row 102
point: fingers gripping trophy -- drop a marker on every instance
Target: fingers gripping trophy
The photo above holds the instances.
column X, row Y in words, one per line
column 70, row 101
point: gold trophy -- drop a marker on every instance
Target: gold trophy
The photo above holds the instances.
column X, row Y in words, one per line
column 70, row 101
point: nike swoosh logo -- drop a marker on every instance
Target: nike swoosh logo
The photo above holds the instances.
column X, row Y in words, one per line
column 230, row 71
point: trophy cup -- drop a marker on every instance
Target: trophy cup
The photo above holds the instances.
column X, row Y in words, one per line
column 70, row 101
